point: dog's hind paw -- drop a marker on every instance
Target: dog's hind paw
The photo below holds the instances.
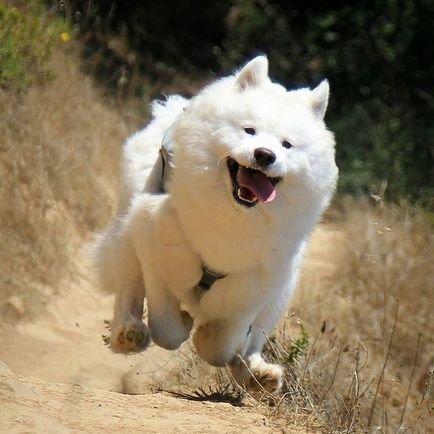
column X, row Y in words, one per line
column 130, row 337
column 267, row 377
column 256, row 375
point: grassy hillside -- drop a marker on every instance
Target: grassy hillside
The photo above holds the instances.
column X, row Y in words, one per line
column 365, row 303
column 58, row 165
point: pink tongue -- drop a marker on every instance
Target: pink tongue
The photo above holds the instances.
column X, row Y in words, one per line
column 257, row 183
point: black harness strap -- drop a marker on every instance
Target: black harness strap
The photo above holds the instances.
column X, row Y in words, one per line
column 208, row 278
column 163, row 172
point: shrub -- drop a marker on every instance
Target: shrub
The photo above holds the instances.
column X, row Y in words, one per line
column 26, row 42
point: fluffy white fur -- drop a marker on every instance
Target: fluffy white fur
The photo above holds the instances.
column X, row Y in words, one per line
column 158, row 243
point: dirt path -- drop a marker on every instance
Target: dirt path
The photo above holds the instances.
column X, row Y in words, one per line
column 35, row 406
column 64, row 345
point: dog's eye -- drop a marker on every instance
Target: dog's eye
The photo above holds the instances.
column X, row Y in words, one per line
column 286, row 144
column 250, row 131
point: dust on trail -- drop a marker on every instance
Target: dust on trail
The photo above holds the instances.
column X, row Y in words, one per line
column 64, row 345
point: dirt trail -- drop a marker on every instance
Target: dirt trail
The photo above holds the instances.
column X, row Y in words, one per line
column 35, row 406
column 64, row 345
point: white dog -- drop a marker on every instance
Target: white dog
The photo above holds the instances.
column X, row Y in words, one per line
column 212, row 228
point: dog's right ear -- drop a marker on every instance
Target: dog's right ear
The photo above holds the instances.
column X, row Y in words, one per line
column 320, row 97
column 253, row 74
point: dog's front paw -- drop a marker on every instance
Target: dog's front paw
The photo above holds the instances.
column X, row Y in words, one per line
column 130, row 337
column 171, row 330
column 258, row 376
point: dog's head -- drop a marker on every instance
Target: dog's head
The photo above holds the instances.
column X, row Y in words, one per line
column 245, row 143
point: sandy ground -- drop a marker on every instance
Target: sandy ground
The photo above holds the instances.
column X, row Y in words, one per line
column 57, row 375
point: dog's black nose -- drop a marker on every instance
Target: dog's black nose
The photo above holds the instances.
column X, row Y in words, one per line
column 264, row 157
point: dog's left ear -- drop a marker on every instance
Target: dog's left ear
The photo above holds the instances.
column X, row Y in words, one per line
column 320, row 98
column 253, row 74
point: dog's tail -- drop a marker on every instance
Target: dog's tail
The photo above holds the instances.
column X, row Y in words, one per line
column 166, row 112
column 141, row 150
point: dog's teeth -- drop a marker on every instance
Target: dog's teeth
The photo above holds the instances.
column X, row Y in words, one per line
column 244, row 199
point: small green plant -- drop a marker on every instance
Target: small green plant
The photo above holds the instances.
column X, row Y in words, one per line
column 285, row 350
column 26, row 42
column 298, row 346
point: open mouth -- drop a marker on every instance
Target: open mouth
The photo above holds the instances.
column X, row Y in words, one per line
column 250, row 185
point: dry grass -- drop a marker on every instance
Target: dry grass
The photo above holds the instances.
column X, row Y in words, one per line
column 58, row 168
column 366, row 298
